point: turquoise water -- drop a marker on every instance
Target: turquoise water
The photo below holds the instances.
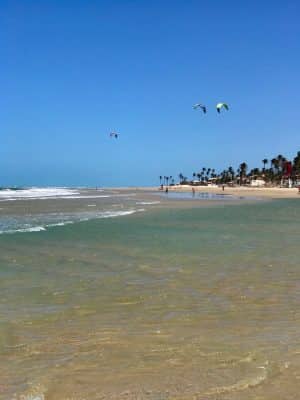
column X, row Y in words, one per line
column 169, row 303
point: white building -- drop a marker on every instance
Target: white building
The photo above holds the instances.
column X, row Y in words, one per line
column 257, row 182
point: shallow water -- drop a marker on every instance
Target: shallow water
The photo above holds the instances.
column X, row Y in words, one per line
column 168, row 303
column 197, row 196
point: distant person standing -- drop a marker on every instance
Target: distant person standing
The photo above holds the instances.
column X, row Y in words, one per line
column 193, row 191
column 223, row 187
column 167, row 190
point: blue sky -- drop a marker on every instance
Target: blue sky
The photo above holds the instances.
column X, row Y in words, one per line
column 72, row 71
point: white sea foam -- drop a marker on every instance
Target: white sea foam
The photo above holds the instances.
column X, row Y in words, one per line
column 36, row 193
column 111, row 214
column 60, row 224
column 65, row 193
column 85, row 197
column 23, row 230
column 80, row 217
column 147, row 202
column 46, row 193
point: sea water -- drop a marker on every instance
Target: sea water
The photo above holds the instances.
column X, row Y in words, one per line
column 149, row 301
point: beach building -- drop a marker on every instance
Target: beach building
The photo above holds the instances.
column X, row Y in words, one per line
column 196, row 182
column 257, row 182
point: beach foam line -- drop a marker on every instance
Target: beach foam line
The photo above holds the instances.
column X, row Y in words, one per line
column 23, row 230
column 268, row 371
column 35, row 193
column 239, row 386
column 60, row 224
column 84, row 197
column 102, row 215
column 54, row 198
column 147, row 202
column 112, row 214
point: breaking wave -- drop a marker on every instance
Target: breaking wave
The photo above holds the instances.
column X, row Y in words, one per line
column 75, row 218
column 35, row 193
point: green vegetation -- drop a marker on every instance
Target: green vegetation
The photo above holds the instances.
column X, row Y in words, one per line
column 274, row 172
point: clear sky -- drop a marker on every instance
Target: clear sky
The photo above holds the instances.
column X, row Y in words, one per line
column 72, row 71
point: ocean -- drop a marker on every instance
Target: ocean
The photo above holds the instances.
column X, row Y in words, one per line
column 125, row 294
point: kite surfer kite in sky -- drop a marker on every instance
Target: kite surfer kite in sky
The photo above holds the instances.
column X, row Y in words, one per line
column 219, row 106
column 198, row 105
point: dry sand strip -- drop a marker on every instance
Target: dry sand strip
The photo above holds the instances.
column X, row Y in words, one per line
column 274, row 192
column 270, row 192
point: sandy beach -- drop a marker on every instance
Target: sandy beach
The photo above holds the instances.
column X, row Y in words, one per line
column 265, row 192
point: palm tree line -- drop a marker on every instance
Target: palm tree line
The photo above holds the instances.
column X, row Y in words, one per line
column 166, row 180
column 272, row 171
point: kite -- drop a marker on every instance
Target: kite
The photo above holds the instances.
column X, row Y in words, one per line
column 198, row 105
column 219, row 106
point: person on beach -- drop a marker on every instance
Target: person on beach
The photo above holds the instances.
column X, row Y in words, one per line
column 193, row 191
column 223, row 187
column 167, row 190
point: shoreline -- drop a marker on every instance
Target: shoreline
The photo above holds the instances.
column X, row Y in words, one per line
column 270, row 193
column 263, row 192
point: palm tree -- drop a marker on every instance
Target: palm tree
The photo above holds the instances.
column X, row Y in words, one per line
column 183, row 179
column 264, row 161
column 275, row 165
column 160, row 178
column 280, row 157
column 180, row 177
column 296, row 163
column 281, row 160
column 255, row 171
column 243, row 170
column 231, row 172
column 223, row 176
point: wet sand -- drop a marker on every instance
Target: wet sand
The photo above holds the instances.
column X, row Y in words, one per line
column 265, row 192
